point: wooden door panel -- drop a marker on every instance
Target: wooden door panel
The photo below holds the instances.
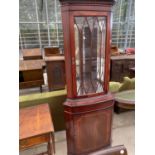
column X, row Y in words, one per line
column 96, row 126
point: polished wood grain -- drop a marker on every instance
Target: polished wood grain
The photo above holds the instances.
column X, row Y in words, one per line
column 55, row 66
column 55, row 58
column 34, row 121
column 25, row 65
column 32, row 54
column 88, row 123
column 51, row 51
column 88, row 117
column 32, row 141
column 36, row 127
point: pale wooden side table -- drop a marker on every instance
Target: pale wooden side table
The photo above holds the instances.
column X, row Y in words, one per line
column 36, row 127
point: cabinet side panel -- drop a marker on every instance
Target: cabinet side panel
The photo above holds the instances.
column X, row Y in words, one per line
column 69, row 122
column 68, row 62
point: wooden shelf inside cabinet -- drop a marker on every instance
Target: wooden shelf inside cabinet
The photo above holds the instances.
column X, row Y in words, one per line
column 32, row 54
column 31, row 74
column 55, row 72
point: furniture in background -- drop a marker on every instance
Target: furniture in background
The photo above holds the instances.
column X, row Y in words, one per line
column 36, row 127
column 32, row 54
column 55, row 66
column 124, row 94
column 50, row 51
column 114, row 50
column 125, row 99
column 130, row 51
column 120, row 67
column 132, row 72
column 31, row 73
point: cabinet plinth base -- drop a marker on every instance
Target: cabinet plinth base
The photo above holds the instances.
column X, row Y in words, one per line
column 88, row 124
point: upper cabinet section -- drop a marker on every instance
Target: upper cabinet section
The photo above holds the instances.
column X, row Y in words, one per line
column 87, row 35
column 90, row 42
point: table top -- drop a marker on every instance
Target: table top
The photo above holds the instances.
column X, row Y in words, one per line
column 25, row 65
column 31, row 52
column 34, row 121
column 124, row 56
column 55, row 58
column 127, row 97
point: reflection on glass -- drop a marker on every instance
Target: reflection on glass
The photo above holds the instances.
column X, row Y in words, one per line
column 90, row 38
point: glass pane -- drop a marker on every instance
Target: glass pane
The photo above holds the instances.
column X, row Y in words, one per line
column 41, row 10
column 53, row 34
column 90, row 33
column 29, row 35
column 44, row 34
column 58, row 11
column 51, row 10
column 27, row 11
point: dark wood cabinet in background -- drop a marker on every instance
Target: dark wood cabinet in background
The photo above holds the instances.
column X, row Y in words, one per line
column 55, row 66
column 120, row 67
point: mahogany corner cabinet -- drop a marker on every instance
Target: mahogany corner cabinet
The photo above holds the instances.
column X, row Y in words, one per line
column 89, row 106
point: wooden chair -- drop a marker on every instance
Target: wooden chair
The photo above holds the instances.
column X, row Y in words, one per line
column 116, row 150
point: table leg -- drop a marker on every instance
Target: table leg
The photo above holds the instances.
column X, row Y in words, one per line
column 53, row 141
column 41, row 90
column 49, row 147
column 51, row 144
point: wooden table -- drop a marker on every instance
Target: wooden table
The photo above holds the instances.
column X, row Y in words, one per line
column 36, row 127
column 125, row 99
column 32, row 54
column 31, row 73
column 31, row 64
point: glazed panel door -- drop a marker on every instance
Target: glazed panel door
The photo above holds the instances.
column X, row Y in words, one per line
column 89, row 53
